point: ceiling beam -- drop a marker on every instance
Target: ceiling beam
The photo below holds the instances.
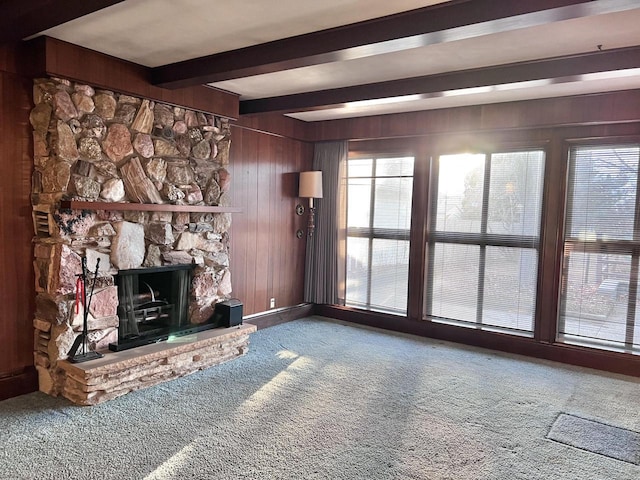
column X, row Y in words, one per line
column 23, row 18
column 436, row 85
column 454, row 20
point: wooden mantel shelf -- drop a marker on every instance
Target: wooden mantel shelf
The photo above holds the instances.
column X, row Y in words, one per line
column 145, row 207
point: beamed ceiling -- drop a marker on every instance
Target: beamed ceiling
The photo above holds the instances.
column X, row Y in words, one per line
column 349, row 58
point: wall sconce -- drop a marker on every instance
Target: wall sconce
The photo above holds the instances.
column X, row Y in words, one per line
column 311, row 187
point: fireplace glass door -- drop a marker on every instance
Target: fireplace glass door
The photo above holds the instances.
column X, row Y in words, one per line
column 153, row 304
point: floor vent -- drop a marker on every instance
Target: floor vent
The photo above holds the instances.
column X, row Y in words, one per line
column 596, row 437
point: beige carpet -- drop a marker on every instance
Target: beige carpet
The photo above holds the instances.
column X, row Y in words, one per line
column 316, row 399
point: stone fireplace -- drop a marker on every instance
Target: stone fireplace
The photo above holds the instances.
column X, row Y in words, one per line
column 138, row 185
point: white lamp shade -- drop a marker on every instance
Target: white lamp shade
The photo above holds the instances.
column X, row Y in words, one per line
column 311, row 184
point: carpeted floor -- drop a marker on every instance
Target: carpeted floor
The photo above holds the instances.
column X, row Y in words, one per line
column 317, row 399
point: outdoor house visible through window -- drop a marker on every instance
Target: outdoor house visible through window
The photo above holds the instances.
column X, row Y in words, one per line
column 599, row 293
column 379, row 193
column 484, row 240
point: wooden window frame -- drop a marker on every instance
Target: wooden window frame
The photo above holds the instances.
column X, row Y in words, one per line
column 556, row 141
column 372, row 233
column 621, row 247
column 481, row 239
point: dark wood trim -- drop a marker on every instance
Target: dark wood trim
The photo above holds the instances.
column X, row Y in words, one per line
column 555, row 69
column 283, row 315
column 28, row 17
column 19, row 383
column 600, row 140
column 574, row 355
column 428, row 25
column 45, row 56
column 418, row 235
column 145, row 207
column 551, row 245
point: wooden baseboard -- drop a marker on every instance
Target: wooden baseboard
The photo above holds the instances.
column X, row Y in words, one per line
column 19, row 384
column 608, row 361
column 281, row 315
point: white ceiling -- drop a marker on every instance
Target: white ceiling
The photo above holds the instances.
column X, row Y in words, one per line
column 159, row 32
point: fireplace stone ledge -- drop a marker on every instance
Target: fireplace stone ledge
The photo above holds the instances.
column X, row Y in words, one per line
column 118, row 373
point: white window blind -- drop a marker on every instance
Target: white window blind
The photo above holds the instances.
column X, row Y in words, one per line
column 379, row 194
column 598, row 302
column 483, row 242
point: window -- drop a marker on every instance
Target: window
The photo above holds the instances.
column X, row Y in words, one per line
column 484, row 240
column 599, row 293
column 379, row 193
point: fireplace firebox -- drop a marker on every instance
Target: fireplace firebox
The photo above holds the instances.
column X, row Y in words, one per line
column 153, row 305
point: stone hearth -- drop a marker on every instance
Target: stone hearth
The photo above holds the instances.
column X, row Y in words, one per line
column 109, row 149
column 119, row 373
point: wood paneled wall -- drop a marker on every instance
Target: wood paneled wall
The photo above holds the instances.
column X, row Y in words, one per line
column 17, row 291
column 595, row 109
column 267, row 259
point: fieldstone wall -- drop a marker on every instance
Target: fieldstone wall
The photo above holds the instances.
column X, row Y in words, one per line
column 101, row 146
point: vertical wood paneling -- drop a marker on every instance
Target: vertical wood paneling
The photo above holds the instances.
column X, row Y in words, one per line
column 264, row 224
column 274, row 238
column 267, row 260
column 602, row 108
column 17, row 295
column 247, row 292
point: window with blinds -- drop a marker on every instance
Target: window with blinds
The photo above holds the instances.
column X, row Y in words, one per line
column 379, row 193
column 484, row 240
column 599, row 290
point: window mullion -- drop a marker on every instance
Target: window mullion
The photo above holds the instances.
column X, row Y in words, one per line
column 633, row 274
column 631, row 302
column 372, row 203
column 485, row 195
column 483, row 231
column 431, row 228
column 369, row 261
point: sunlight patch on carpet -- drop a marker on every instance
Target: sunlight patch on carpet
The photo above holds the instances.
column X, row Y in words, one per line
column 269, row 390
column 171, row 468
column 595, row 437
column 286, row 354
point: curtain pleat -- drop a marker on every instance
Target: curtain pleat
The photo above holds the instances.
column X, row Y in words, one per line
column 321, row 265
